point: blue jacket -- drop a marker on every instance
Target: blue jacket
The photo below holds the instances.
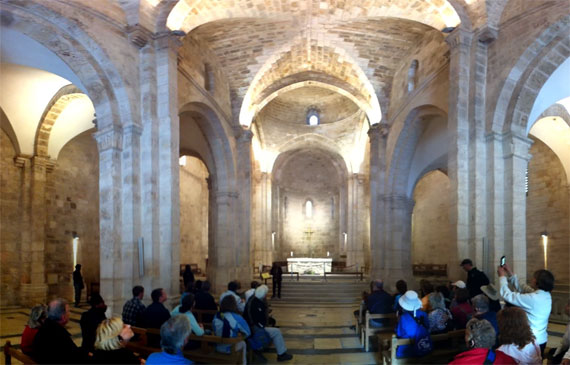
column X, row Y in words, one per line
column 236, row 323
column 407, row 328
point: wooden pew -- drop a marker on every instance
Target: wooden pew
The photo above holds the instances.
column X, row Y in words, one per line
column 367, row 331
column 445, row 347
column 199, row 314
column 205, row 354
column 10, row 352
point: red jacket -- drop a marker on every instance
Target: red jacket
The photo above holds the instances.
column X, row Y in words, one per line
column 478, row 356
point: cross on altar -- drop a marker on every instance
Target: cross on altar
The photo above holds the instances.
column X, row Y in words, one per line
column 308, row 232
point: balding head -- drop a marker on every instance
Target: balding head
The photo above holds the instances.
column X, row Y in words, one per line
column 58, row 311
column 378, row 284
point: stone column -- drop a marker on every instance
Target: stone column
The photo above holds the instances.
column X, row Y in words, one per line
column 33, row 281
column 458, row 128
column 244, row 164
column 356, row 222
column 516, row 155
column 265, row 247
column 378, row 135
column 399, row 247
column 168, row 171
column 222, row 253
column 109, row 143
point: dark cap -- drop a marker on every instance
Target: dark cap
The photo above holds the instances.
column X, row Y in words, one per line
column 466, row 262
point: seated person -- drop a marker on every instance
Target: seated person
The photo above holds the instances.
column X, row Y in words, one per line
column 492, row 293
column 186, row 309
column 409, row 322
column 516, row 338
column 53, row 344
column 155, row 315
column 173, row 337
column 426, row 288
column 134, row 307
column 481, row 311
column 228, row 323
column 37, row 318
column 463, row 311
column 561, row 354
column 90, row 320
column 379, row 302
column 401, row 288
column 444, row 290
column 440, row 318
column 480, row 338
column 233, row 286
column 112, row 336
column 203, row 300
column 257, row 316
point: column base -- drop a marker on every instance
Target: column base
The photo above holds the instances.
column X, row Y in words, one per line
column 32, row 294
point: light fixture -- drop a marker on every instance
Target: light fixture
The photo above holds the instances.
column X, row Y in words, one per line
column 273, row 240
column 291, row 253
column 544, row 236
column 75, row 244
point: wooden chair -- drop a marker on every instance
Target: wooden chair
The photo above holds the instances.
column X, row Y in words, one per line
column 367, row 331
column 10, row 352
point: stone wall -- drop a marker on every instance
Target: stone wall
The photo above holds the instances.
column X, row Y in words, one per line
column 324, row 225
column 10, row 218
column 72, row 197
column 432, row 238
column 193, row 213
column 547, row 209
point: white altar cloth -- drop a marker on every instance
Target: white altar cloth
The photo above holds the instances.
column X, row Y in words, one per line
column 307, row 265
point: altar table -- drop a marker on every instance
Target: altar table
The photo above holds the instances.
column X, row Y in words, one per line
column 308, row 265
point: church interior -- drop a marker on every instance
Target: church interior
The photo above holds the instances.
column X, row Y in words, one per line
column 385, row 138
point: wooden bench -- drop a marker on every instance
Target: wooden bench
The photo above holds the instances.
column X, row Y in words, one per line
column 367, row 331
column 199, row 314
column 429, row 269
column 205, row 354
column 445, row 347
column 10, row 352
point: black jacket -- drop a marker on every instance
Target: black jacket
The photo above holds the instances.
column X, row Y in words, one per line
column 205, row 301
column 255, row 312
column 53, row 345
column 475, row 280
column 89, row 322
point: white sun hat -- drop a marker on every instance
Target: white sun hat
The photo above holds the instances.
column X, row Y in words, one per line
column 410, row 301
column 460, row 284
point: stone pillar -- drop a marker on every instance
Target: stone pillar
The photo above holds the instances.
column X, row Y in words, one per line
column 356, row 222
column 398, row 249
column 378, row 135
column 264, row 249
column 33, row 281
column 109, row 143
column 458, row 128
column 244, row 164
column 168, row 171
column 222, row 250
column 516, row 157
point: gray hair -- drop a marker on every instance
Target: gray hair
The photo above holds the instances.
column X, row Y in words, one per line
column 37, row 315
column 480, row 334
column 173, row 333
column 480, row 303
column 57, row 309
column 436, row 300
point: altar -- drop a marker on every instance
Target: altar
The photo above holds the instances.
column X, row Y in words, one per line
column 309, row 266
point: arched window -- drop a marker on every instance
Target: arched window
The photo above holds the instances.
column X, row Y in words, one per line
column 412, row 73
column 309, row 209
column 313, row 117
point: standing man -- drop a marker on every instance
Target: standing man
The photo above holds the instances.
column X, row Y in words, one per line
column 77, row 284
column 277, row 274
column 475, row 278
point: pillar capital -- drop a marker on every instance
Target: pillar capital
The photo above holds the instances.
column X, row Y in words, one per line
column 487, row 34
column 517, row 146
column 168, row 40
column 132, row 130
column 378, row 130
column 242, row 134
column 22, row 160
column 109, row 139
column 459, row 38
column 42, row 163
column 224, row 197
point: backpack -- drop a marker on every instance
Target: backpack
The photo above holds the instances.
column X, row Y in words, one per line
column 422, row 344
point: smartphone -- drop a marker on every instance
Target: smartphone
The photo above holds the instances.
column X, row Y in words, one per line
column 503, row 259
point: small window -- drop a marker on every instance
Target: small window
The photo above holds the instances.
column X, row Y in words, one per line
column 412, row 75
column 313, row 117
column 309, row 209
column 208, row 77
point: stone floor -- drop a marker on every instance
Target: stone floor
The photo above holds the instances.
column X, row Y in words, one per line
column 313, row 334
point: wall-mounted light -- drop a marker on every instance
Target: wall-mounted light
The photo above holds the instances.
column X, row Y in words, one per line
column 544, row 236
column 75, row 245
column 345, row 239
column 273, row 240
column 291, row 253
